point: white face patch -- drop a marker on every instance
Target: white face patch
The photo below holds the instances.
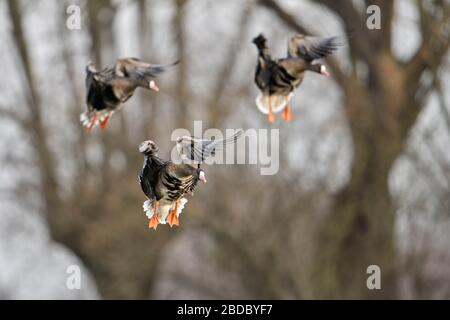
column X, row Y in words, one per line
column 145, row 146
column 142, row 147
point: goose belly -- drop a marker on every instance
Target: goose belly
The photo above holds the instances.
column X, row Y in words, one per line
column 103, row 99
column 165, row 206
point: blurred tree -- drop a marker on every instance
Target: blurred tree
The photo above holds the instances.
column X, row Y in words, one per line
column 262, row 247
column 78, row 219
column 381, row 108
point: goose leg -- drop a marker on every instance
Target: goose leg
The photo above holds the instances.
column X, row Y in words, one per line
column 270, row 116
column 286, row 114
column 92, row 123
column 105, row 121
column 172, row 219
column 153, row 223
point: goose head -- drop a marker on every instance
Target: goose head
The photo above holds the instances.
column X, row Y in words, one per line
column 260, row 41
column 148, row 147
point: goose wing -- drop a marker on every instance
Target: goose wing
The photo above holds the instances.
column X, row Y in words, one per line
column 197, row 150
column 136, row 68
column 146, row 185
column 312, row 48
column 149, row 175
column 91, row 71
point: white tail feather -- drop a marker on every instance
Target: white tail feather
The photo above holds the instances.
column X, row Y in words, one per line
column 181, row 204
column 87, row 117
column 278, row 103
column 148, row 208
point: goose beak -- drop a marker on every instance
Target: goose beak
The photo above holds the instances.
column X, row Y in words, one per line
column 324, row 71
column 152, row 85
column 202, row 177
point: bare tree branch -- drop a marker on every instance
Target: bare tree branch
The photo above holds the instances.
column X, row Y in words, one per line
column 434, row 45
column 14, row 116
column 218, row 111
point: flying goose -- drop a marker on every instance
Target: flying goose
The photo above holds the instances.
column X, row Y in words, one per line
column 109, row 88
column 278, row 78
column 165, row 182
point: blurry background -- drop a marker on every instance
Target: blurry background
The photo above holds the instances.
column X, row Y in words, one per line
column 365, row 165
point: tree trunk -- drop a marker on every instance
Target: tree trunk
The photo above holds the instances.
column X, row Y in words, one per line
column 359, row 230
column 44, row 156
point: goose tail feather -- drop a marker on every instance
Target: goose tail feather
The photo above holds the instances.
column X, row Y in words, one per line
column 278, row 103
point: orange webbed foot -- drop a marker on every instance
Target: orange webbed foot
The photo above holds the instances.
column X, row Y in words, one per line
column 172, row 219
column 104, row 123
column 287, row 114
column 270, row 115
column 92, row 123
column 153, row 223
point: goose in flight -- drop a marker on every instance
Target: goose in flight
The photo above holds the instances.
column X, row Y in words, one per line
column 109, row 88
column 165, row 183
column 278, row 78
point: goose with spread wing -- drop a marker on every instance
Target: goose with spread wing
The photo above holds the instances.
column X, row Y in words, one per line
column 278, row 78
column 109, row 88
column 165, row 182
